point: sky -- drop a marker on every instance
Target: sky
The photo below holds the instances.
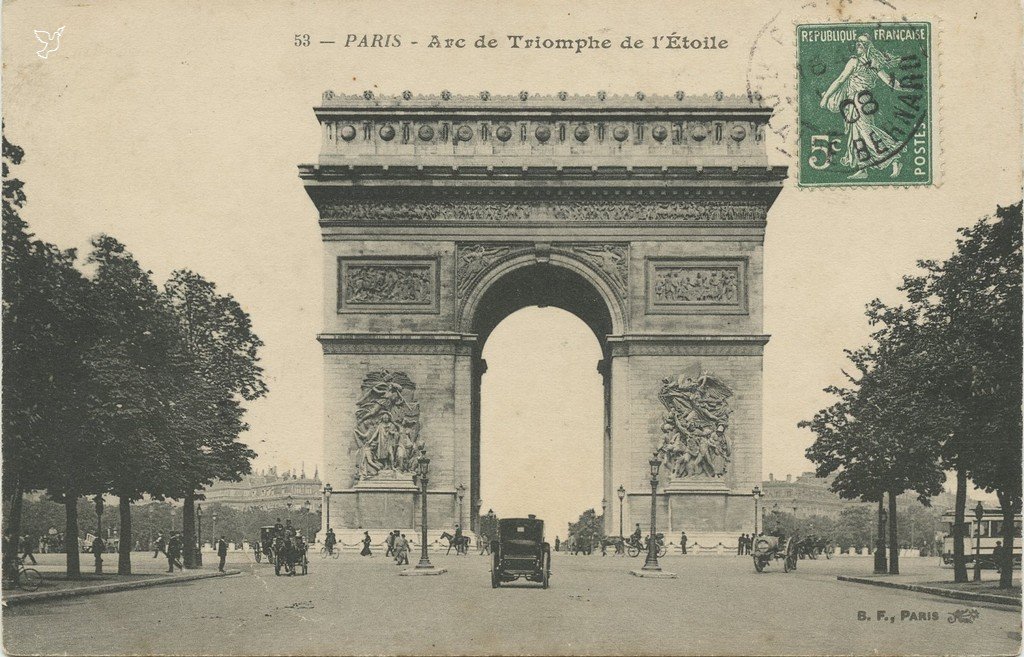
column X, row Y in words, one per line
column 177, row 128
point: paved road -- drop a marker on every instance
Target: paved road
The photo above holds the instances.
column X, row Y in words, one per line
column 361, row 606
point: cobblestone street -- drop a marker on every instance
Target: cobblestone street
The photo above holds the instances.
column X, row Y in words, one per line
column 718, row 605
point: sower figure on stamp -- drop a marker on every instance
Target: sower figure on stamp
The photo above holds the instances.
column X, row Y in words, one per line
column 849, row 95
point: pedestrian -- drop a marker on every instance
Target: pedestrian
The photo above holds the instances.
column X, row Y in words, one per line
column 160, row 545
column 997, row 556
column 682, row 541
column 365, row 552
column 222, row 552
column 390, row 542
column 558, row 544
column 401, row 550
column 174, row 552
column 26, row 549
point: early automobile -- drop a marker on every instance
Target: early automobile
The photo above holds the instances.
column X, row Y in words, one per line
column 767, row 548
column 520, row 552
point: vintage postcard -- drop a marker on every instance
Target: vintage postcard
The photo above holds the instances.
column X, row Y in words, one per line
column 512, row 328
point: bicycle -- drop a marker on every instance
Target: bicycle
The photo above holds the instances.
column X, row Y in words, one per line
column 635, row 549
column 27, row 579
column 333, row 553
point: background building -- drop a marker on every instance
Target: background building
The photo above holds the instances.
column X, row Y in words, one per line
column 269, row 490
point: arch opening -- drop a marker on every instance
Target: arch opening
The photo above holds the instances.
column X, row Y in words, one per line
column 531, row 291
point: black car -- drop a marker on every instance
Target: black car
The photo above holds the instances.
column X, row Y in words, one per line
column 520, row 551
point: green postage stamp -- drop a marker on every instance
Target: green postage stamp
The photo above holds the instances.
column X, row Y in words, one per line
column 865, row 93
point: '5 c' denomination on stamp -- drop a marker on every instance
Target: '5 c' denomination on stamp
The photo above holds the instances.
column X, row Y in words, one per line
column 865, row 93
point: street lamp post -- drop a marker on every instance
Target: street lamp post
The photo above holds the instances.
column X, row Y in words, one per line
column 327, row 491
column 199, row 535
column 423, row 469
column 652, row 541
column 757, row 496
column 622, row 496
column 880, row 560
column 460, row 492
column 213, row 538
column 979, row 512
column 98, row 556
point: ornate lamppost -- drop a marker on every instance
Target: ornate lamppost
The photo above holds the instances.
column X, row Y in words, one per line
column 622, row 497
column 757, row 496
column 460, row 493
column 652, row 542
column 979, row 513
column 424, row 567
column 327, row 493
column 199, row 535
column 98, row 556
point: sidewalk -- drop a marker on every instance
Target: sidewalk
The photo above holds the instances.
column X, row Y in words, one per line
column 985, row 591
column 146, row 572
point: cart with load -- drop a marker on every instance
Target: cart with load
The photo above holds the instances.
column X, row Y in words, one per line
column 767, row 548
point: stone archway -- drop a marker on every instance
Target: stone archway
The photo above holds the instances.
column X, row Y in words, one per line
column 529, row 276
column 440, row 214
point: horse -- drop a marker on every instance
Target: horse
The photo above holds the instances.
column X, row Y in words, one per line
column 614, row 542
column 461, row 545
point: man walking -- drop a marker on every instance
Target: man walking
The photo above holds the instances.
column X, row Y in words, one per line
column 174, row 553
column 390, row 542
column 682, row 541
column 222, row 552
column 401, row 550
column 26, row 549
column 160, row 545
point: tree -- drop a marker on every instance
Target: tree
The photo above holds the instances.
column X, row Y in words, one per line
column 971, row 307
column 871, row 436
column 221, row 350
column 133, row 360
column 47, row 324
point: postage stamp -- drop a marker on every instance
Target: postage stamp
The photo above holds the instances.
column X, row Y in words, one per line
column 865, row 103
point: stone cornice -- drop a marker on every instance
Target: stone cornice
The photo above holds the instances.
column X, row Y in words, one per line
column 525, row 101
column 441, row 343
column 687, row 345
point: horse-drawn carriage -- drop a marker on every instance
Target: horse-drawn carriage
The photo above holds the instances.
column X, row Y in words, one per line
column 264, row 547
column 767, row 548
column 635, row 548
column 520, row 552
column 290, row 555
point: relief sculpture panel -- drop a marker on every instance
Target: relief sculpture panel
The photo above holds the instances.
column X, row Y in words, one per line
column 376, row 285
column 695, row 441
column 387, row 432
column 696, row 286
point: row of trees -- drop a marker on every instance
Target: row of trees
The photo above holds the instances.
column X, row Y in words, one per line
column 938, row 388
column 855, row 527
column 113, row 385
column 152, row 518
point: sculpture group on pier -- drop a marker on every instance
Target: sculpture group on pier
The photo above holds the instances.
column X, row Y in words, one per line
column 694, row 442
column 387, row 433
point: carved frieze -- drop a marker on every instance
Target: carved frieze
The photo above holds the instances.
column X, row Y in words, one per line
column 696, row 285
column 695, row 442
column 387, row 285
column 472, row 260
column 698, row 211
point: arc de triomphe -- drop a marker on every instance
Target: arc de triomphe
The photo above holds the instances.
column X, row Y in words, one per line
column 644, row 216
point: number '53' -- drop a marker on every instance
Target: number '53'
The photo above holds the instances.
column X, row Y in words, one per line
column 823, row 147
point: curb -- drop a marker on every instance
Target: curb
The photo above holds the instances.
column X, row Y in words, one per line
column 933, row 590
column 44, row 596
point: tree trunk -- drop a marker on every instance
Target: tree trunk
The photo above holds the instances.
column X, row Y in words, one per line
column 959, row 562
column 880, row 562
column 71, row 546
column 14, row 527
column 1010, row 509
column 124, row 549
column 894, row 544
column 188, row 532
